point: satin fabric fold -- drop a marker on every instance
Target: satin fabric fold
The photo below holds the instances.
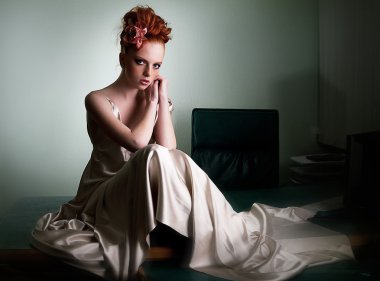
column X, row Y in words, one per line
column 113, row 232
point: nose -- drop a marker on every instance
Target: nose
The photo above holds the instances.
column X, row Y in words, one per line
column 147, row 71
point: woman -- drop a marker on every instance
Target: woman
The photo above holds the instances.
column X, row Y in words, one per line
column 136, row 178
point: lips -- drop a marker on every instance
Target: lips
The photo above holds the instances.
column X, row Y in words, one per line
column 144, row 82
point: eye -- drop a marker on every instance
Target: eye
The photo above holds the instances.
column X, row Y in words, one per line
column 157, row 65
column 139, row 62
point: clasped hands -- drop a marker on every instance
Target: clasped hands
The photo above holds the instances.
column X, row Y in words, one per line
column 157, row 91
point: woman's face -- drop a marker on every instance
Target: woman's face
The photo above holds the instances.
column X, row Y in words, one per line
column 141, row 67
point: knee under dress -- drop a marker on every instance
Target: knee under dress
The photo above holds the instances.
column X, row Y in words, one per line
column 105, row 228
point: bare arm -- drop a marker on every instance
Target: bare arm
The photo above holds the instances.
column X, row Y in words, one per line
column 132, row 139
column 163, row 131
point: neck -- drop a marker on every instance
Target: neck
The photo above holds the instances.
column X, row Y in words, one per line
column 123, row 87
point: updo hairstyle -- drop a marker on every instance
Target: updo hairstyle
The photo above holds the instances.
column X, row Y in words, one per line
column 141, row 24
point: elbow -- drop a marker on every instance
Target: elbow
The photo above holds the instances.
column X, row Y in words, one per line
column 138, row 144
column 169, row 145
column 133, row 145
column 173, row 145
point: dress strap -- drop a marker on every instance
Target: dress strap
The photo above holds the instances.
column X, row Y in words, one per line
column 115, row 110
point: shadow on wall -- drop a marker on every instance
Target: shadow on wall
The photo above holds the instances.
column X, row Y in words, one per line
column 182, row 124
column 296, row 98
column 332, row 114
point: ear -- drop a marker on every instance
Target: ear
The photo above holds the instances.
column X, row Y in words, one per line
column 122, row 59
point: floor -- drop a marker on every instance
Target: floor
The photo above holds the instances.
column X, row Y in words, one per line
column 368, row 269
column 161, row 272
column 54, row 270
column 171, row 270
column 47, row 271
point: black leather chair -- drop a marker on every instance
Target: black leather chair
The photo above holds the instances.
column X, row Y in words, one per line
column 237, row 148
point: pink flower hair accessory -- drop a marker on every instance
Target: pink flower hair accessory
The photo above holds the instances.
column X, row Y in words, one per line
column 135, row 34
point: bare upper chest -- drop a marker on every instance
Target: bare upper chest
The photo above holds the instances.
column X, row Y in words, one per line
column 130, row 110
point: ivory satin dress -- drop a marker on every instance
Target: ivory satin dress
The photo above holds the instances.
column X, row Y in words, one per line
column 105, row 228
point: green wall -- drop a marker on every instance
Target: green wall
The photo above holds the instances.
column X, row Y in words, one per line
column 226, row 53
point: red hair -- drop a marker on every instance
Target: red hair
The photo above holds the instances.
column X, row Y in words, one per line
column 144, row 17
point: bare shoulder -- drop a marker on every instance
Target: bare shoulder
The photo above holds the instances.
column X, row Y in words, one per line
column 95, row 101
column 94, row 97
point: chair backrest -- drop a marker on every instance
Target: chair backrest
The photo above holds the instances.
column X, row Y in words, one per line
column 237, row 148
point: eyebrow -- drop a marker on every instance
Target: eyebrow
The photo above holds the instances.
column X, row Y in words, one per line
column 140, row 58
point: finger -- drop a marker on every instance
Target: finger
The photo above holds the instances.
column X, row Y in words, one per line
column 148, row 91
column 155, row 89
column 161, row 78
column 163, row 83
